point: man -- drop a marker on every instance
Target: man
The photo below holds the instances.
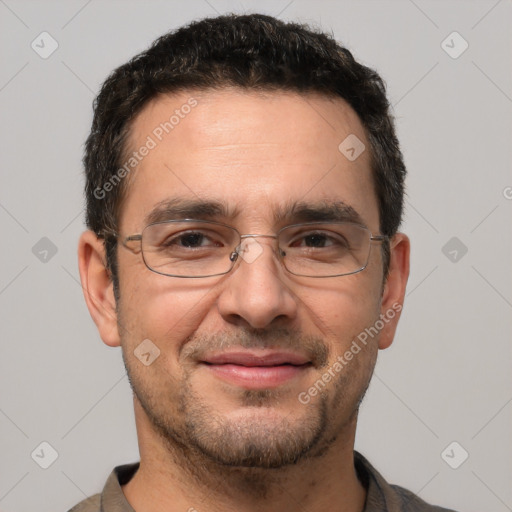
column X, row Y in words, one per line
column 244, row 193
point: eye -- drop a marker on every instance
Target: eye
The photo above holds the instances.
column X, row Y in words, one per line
column 319, row 240
column 192, row 240
column 316, row 240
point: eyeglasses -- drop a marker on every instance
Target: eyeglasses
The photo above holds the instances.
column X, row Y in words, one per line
column 195, row 248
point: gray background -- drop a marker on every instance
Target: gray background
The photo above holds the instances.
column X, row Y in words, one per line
column 447, row 376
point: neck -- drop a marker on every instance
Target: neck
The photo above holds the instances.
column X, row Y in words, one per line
column 172, row 477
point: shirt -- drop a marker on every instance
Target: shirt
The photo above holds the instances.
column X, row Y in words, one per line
column 380, row 497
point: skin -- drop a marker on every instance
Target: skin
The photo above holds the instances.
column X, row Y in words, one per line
column 257, row 151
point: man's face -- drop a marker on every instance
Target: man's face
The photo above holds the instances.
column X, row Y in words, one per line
column 257, row 155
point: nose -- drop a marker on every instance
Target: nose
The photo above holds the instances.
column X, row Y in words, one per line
column 256, row 292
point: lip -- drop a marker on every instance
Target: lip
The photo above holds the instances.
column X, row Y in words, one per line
column 257, row 370
column 251, row 358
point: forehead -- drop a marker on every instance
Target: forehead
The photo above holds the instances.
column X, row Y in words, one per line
column 252, row 151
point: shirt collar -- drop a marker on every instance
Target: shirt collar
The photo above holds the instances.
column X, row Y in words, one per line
column 380, row 495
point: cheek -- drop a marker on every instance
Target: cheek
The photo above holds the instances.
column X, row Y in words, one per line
column 342, row 309
column 163, row 309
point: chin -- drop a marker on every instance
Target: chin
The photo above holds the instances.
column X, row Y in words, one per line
column 259, row 434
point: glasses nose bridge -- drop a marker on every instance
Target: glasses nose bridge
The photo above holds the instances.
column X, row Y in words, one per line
column 255, row 235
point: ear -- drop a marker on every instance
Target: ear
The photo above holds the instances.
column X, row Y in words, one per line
column 98, row 287
column 394, row 289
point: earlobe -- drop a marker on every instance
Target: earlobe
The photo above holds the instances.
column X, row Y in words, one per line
column 394, row 289
column 98, row 287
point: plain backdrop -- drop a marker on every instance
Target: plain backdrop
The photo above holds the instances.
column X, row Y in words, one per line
column 445, row 379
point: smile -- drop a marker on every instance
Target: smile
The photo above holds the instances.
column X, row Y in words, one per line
column 257, row 370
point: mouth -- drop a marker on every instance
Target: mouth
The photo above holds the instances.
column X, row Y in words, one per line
column 257, row 370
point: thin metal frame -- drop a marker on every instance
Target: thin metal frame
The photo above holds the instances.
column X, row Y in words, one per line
column 235, row 253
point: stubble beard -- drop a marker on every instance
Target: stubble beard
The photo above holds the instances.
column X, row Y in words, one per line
column 208, row 438
column 247, row 451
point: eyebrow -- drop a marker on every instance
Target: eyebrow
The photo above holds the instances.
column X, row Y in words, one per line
column 291, row 212
column 318, row 211
column 181, row 208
